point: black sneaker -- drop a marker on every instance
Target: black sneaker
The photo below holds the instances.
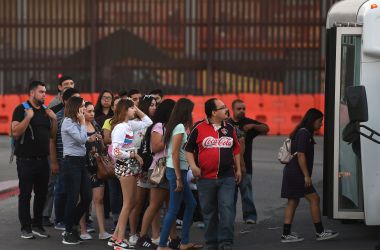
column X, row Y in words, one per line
column 146, row 242
column 71, row 238
column 46, row 222
column 27, row 234
column 175, row 243
column 40, row 232
column 327, row 235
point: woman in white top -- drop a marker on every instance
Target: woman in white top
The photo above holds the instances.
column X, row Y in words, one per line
column 147, row 105
column 128, row 162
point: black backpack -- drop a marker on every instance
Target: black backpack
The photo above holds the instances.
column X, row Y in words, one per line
column 145, row 152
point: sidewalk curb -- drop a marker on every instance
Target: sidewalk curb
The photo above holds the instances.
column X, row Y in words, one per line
column 8, row 189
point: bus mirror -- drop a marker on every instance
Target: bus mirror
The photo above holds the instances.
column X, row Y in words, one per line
column 357, row 103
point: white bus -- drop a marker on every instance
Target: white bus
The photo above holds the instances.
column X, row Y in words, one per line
column 352, row 171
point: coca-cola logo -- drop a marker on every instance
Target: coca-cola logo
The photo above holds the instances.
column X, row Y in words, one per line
column 222, row 142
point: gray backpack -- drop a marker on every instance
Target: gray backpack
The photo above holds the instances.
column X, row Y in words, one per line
column 284, row 154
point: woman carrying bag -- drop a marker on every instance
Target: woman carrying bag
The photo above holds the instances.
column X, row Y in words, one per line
column 297, row 183
column 176, row 172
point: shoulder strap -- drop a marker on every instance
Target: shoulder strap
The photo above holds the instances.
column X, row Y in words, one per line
column 26, row 105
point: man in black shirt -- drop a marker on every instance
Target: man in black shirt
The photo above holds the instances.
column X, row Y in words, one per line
column 32, row 126
column 250, row 129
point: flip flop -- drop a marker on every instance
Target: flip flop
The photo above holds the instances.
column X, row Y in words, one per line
column 192, row 246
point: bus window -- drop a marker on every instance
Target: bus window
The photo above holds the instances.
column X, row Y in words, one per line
column 350, row 190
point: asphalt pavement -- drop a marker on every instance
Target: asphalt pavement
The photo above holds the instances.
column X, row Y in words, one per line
column 267, row 176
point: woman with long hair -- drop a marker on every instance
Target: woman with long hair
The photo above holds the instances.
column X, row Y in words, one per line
column 106, row 128
column 158, row 193
column 176, row 172
column 103, row 107
column 94, row 147
column 297, row 183
column 128, row 163
column 147, row 105
column 115, row 196
column 103, row 111
column 78, row 189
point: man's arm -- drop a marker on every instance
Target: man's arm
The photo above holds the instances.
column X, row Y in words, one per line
column 238, row 169
column 193, row 166
column 53, row 155
column 19, row 127
column 261, row 128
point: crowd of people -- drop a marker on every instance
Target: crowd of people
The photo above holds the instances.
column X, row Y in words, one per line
column 168, row 171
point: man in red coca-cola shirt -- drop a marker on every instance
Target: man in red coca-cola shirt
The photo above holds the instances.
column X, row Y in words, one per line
column 212, row 151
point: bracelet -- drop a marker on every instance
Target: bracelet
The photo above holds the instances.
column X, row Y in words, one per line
column 178, row 179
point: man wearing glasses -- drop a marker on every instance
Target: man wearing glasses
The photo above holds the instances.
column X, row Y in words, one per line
column 214, row 144
column 250, row 129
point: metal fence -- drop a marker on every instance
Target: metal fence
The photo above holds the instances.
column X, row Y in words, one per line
column 181, row 46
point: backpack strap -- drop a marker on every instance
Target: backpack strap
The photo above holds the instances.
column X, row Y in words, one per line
column 27, row 106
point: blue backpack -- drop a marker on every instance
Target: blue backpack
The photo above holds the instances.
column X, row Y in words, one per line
column 22, row 138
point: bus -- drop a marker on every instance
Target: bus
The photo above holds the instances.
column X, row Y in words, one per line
column 352, row 168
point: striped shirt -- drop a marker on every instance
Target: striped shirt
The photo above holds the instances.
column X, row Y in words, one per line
column 58, row 142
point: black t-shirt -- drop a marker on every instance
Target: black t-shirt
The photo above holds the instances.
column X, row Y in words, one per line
column 303, row 142
column 100, row 117
column 40, row 123
column 249, row 136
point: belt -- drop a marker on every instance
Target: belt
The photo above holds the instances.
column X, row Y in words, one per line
column 74, row 157
column 37, row 158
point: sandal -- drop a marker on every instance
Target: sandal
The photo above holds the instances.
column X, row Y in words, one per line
column 191, row 246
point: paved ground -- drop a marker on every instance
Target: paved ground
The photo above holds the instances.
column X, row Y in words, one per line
column 264, row 235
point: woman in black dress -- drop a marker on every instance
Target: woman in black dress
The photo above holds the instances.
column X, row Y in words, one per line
column 297, row 183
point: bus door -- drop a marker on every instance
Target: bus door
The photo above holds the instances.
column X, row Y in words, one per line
column 343, row 168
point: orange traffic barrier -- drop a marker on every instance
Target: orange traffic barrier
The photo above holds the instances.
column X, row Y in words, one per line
column 95, row 98
column 87, row 97
column 281, row 113
column 199, row 107
column 7, row 105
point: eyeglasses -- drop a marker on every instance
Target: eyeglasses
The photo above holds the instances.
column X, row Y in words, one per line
column 107, row 98
column 220, row 108
column 240, row 108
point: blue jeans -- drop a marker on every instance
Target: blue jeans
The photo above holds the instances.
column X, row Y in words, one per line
column 60, row 194
column 116, row 197
column 78, row 188
column 174, row 205
column 246, row 193
column 217, row 203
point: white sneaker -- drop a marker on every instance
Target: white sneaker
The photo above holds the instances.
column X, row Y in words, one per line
column 104, row 236
column 327, row 235
column 133, row 239
column 156, row 241
column 250, row 221
column 292, row 237
column 85, row 236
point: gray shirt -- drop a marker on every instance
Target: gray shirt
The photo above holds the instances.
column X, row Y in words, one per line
column 56, row 100
column 74, row 137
